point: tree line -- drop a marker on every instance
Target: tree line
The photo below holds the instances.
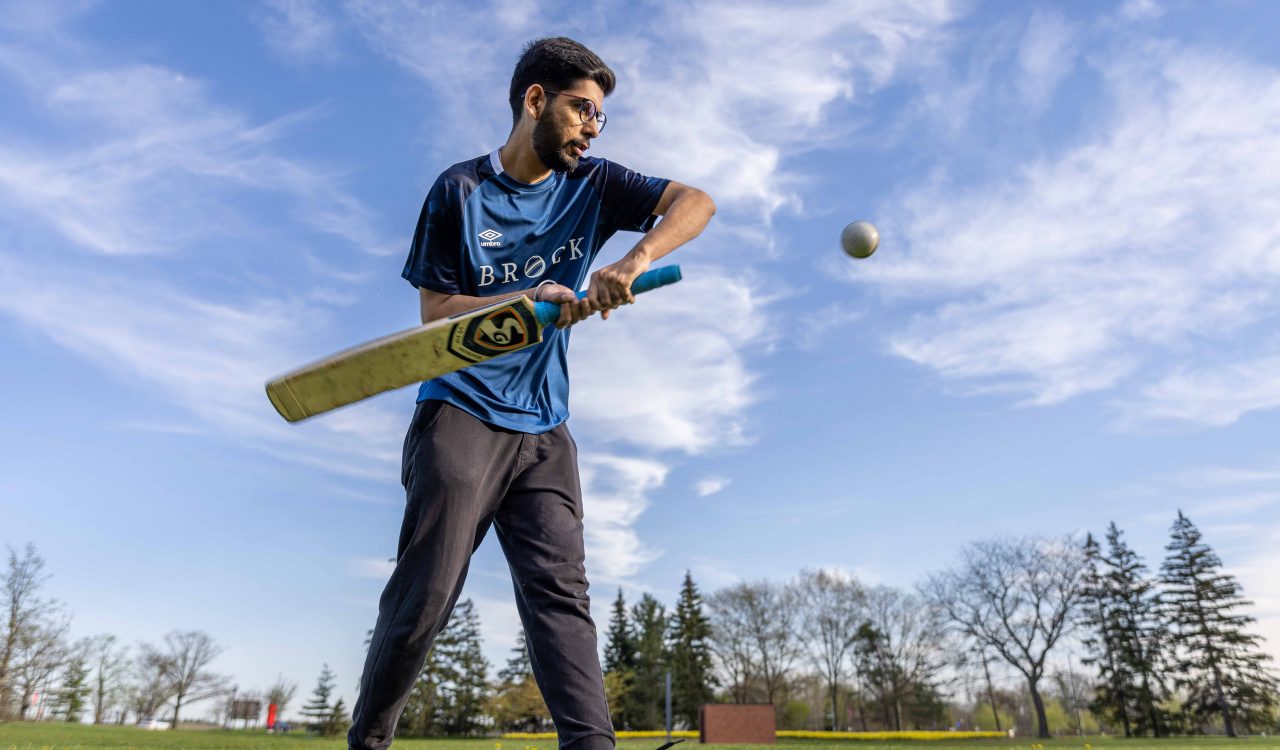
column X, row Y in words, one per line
column 988, row 642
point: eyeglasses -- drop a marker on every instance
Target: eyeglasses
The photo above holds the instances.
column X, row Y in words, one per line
column 586, row 109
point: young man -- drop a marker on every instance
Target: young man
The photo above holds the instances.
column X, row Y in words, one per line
column 488, row 445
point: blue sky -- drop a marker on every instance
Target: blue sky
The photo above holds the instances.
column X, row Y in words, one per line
column 1071, row 319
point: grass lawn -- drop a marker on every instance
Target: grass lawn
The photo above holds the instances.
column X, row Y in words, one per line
column 49, row 736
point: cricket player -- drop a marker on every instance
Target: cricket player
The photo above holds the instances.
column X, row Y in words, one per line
column 488, row 445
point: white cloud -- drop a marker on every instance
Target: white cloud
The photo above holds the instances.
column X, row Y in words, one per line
column 1150, row 244
column 299, row 30
column 615, row 491
column 670, row 372
column 711, row 485
column 154, row 165
column 1045, row 56
column 1140, row 10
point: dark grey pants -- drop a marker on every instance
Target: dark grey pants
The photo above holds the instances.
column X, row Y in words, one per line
column 461, row 476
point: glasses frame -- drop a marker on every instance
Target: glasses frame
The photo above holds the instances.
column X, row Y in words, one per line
column 585, row 104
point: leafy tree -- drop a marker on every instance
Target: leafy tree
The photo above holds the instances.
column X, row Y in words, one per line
column 1219, row 665
column 692, row 680
column 319, row 710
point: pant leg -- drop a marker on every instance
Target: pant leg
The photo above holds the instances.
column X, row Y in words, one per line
column 540, row 527
column 456, row 471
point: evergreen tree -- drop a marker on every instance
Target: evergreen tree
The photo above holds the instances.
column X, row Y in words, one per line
column 1098, row 614
column 1219, row 665
column 337, row 719
column 645, row 700
column 422, row 712
column 319, row 710
column 620, row 663
column 1140, row 633
column 517, row 705
column 692, row 679
column 518, row 665
column 465, row 682
column 73, row 695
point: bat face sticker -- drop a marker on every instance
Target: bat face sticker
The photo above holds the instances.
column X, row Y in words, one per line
column 503, row 329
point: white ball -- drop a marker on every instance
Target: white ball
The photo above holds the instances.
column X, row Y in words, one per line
column 860, row 239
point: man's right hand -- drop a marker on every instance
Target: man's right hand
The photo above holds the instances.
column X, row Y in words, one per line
column 572, row 309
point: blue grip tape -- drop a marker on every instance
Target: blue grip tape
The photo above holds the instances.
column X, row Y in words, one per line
column 549, row 312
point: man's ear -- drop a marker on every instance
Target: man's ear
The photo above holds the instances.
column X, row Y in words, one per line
column 535, row 101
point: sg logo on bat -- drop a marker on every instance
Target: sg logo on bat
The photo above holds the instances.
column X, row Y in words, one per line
column 503, row 330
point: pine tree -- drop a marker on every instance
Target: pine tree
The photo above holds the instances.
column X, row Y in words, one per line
column 1219, row 665
column 517, row 704
column 73, row 695
column 644, row 704
column 318, row 709
column 620, row 663
column 337, row 719
column 1140, row 633
column 465, row 680
column 692, row 679
column 423, row 711
column 518, row 666
column 1111, row 699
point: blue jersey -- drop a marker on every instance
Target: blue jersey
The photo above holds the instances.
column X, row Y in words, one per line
column 483, row 233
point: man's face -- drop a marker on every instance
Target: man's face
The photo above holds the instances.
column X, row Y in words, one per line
column 560, row 137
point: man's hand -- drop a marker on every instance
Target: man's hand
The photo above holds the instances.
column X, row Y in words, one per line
column 572, row 309
column 611, row 286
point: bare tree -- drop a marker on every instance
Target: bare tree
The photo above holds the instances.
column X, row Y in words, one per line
column 831, row 609
column 1016, row 597
column 282, row 692
column 763, row 617
column 25, row 610
column 110, row 664
column 911, row 634
column 185, row 659
column 151, row 688
column 41, row 650
column 731, row 641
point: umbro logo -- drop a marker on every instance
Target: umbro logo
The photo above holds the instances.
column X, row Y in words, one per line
column 490, row 238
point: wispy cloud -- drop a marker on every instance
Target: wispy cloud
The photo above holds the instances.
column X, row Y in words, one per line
column 1146, row 247
column 300, row 31
column 711, row 485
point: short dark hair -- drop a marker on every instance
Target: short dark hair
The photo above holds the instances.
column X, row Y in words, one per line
column 556, row 63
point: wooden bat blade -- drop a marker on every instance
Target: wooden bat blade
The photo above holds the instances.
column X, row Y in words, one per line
column 410, row 356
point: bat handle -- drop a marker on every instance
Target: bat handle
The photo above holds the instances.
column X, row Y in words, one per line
column 549, row 312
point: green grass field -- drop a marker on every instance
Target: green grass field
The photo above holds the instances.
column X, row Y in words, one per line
column 47, row 736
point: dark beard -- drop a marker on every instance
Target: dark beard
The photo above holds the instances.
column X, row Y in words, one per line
column 550, row 149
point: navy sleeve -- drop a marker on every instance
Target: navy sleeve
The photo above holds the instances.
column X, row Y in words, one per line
column 436, row 253
column 628, row 198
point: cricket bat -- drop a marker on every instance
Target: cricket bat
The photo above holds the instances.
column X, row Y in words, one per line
column 425, row 352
